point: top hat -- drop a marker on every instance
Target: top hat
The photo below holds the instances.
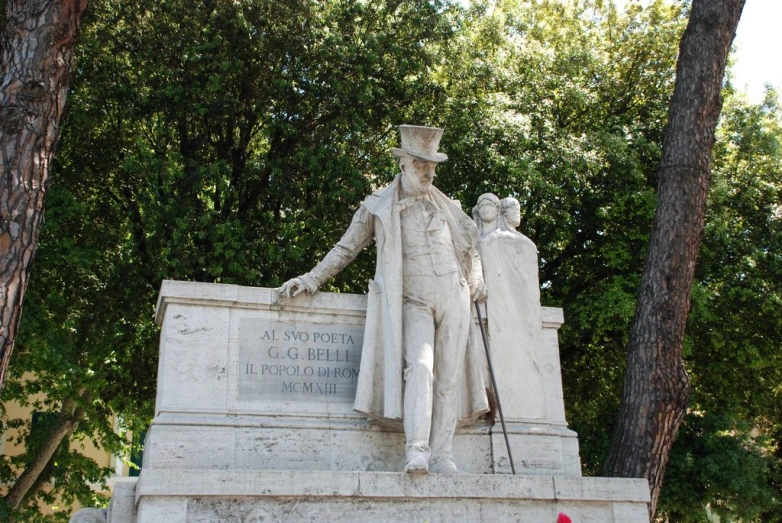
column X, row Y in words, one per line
column 420, row 142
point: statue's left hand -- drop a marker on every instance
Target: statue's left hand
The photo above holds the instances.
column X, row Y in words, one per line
column 478, row 291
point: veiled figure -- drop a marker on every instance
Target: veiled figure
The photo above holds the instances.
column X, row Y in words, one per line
column 510, row 270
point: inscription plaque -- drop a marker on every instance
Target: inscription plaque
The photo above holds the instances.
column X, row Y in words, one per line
column 298, row 361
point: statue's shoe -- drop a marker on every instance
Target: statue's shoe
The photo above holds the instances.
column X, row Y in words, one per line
column 417, row 465
column 445, row 466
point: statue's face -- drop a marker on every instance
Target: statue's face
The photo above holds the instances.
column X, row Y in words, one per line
column 419, row 173
column 512, row 215
column 487, row 211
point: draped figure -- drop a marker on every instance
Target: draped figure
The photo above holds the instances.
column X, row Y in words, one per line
column 510, row 270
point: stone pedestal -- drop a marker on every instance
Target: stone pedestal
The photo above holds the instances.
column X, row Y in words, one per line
column 254, row 422
column 176, row 496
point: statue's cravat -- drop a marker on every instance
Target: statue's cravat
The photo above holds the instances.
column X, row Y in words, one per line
column 404, row 203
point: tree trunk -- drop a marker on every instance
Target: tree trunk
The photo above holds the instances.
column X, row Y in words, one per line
column 67, row 422
column 656, row 389
column 37, row 46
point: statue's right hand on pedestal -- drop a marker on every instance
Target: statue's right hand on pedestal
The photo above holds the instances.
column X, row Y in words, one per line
column 292, row 288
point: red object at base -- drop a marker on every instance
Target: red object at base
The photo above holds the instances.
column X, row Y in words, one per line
column 562, row 518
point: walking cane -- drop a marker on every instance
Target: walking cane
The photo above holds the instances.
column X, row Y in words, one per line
column 494, row 384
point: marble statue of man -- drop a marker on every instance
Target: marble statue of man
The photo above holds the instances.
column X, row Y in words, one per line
column 418, row 311
column 510, row 266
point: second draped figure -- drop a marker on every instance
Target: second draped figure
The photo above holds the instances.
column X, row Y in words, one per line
column 510, row 270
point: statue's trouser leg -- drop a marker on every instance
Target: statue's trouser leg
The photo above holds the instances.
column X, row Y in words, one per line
column 418, row 327
column 452, row 327
column 436, row 317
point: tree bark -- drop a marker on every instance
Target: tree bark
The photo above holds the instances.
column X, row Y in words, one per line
column 37, row 46
column 67, row 422
column 656, row 388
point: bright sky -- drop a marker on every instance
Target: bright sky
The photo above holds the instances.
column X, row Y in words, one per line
column 757, row 46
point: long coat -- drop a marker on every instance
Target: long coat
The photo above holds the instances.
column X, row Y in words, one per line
column 380, row 386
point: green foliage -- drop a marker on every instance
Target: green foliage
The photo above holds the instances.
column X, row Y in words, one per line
column 736, row 322
column 77, row 336
column 238, row 136
column 729, row 456
column 717, row 463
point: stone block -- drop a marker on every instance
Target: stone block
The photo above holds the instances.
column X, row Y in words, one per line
column 534, row 455
column 189, row 447
column 472, row 451
column 162, row 510
column 122, row 508
column 602, row 489
column 366, row 450
column 193, row 366
column 571, row 459
column 304, row 449
column 216, row 495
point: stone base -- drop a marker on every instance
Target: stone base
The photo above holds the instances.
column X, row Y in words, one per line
column 123, row 502
column 233, row 442
column 345, row 442
column 537, row 449
column 189, row 496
